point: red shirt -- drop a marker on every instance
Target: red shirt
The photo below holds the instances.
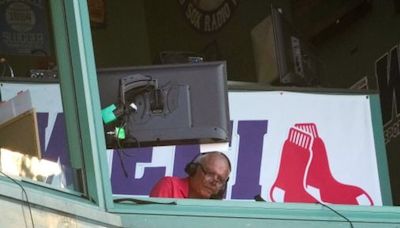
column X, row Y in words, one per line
column 171, row 187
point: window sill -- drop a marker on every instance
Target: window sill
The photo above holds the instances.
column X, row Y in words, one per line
column 257, row 210
column 57, row 202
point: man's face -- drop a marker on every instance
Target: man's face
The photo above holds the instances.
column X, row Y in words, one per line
column 209, row 178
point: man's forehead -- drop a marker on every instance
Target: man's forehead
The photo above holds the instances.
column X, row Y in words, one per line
column 214, row 157
column 215, row 160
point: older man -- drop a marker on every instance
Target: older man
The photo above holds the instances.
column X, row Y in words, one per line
column 207, row 177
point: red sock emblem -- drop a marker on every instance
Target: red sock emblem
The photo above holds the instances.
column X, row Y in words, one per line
column 321, row 180
column 295, row 159
column 304, row 174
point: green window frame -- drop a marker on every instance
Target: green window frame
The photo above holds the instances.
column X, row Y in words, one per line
column 77, row 70
column 79, row 92
column 74, row 51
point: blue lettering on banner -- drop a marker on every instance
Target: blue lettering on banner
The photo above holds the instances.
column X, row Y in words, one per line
column 124, row 162
column 57, row 146
column 183, row 155
column 124, row 168
column 56, row 149
column 249, row 159
column 124, row 182
column 248, row 164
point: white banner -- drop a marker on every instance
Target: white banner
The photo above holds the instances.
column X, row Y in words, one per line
column 286, row 146
column 343, row 124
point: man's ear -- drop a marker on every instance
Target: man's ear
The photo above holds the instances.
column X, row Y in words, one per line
column 190, row 168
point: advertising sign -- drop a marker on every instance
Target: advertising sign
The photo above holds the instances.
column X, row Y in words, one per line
column 288, row 147
column 24, row 28
column 285, row 146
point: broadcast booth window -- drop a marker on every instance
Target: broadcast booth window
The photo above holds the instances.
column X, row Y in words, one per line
column 34, row 143
column 158, row 108
column 165, row 104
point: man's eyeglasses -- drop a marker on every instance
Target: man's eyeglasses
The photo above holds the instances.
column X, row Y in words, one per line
column 210, row 176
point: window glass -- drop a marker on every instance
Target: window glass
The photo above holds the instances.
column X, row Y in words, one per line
column 143, row 33
column 34, row 144
column 311, row 52
column 153, row 32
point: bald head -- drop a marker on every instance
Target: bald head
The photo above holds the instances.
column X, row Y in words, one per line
column 212, row 172
column 215, row 157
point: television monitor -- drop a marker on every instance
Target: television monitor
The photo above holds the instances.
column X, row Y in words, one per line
column 282, row 56
column 164, row 104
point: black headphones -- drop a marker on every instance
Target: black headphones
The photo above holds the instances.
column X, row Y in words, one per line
column 191, row 169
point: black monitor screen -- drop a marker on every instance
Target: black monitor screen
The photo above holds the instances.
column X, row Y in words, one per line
column 164, row 104
column 282, row 56
column 296, row 59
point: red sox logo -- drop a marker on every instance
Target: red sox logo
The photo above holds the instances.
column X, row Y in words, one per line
column 304, row 174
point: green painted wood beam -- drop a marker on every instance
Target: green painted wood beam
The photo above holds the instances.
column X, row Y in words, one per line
column 78, row 81
column 380, row 148
column 214, row 213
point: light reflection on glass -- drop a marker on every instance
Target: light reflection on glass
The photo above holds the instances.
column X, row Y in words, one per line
column 17, row 164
